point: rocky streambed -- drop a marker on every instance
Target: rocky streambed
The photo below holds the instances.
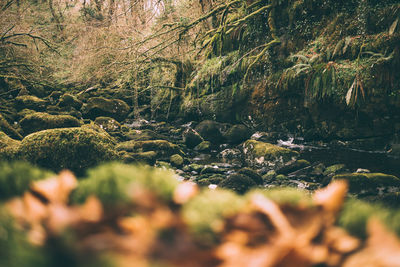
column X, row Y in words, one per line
column 63, row 131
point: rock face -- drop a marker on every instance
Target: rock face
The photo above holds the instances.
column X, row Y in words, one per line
column 30, row 102
column 68, row 148
column 261, row 154
column 209, row 130
column 39, row 121
column 100, row 106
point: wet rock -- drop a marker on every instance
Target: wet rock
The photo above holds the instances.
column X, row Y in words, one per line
column 191, row 138
column 8, row 129
column 261, row 154
column 210, row 131
column 369, row 182
column 193, row 167
column 148, row 157
column 252, row 174
column 176, row 160
column 163, row 148
column 39, row 121
column 292, row 167
column 108, row 124
column 237, row 134
column 69, row 101
column 8, row 147
column 68, row 148
column 204, row 147
column 211, row 169
column 100, row 106
column 144, row 135
column 238, row 183
column 30, row 102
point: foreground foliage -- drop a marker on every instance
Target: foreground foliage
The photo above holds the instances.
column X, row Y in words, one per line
column 157, row 221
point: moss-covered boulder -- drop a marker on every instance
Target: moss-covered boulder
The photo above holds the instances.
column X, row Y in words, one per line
column 8, row 147
column 238, row 183
column 108, row 124
column 237, row 134
column 39, row 121
column 176, row 160
column 210, row 178
column 115, row 184
column 210, row 131
column 100, row 106
column 191, row 138
column 368, row 182
column 16, row 178
column 69, row 101
column 204, row 146
column 334, row 169
column 252, row 174
column 144, row 135
column 163, row 148
column 261, row 154
column 68, row 148
column 30, row 102
column 148, row 157
column 8, row 129
column 294, row 166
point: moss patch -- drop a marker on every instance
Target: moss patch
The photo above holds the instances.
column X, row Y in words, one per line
column 30, row 102
column 368, row 181
column 163, row 148
column 100, row 106
column 39, row 121
column 8, row 147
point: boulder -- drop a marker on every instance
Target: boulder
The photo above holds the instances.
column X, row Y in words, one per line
column 176, row 160
column 39, row 121
column 108, row 124
column 237, row 134
column 210, row 131
column 100, row 106
column 163, row 148
column 68, row 148
column 30, row 102
column 69, row 101
column 261, row 154
column 191, row 138
column 8, row 147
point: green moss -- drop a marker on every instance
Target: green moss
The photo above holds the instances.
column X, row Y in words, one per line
column 204, row 146
column 258, row 153
column 112, row 182
column 148, row 157
column 6, row 128
column 334, row 169
column 68, row 148
column 176, row 160
column 16, row 177
column 207, row 179
column 238, row 183
column 252, row 174
column 368, row 181
column 108, row 124
column 163, row 148
column 144, row 135
column 205, row 212
column 8, row 147
column 70, row 101
column 30, row 102
column 41, row 121
column 100, row 106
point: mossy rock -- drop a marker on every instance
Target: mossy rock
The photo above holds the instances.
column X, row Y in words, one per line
column 359, row 182
column 163, row 148
column 210, row 131
column 8, row 129
column 30, row 102
column 16, row 178
column 68, row 148
column 237, row 134
column 148, row 157
column 204, row 146
column 238, row 183
column 144, row 135
column 100, row 106
column 176, row 160
column 39, row 121
column 69, row 101
column 8, row 147
column 260, row 154
column 191, row 138
column 108, row 124
column 113, row 184
column 204, row 214
column 334, row 169
column 292, row 167
column 252, row 174
column 207, row 179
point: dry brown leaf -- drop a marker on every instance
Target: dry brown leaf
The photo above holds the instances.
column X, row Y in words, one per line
column 331, row 198
column 184, row 192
